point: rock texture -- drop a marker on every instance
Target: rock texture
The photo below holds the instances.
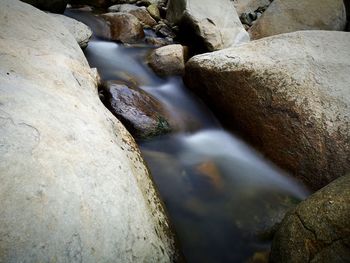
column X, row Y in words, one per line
column 81, row 32
column 168, row 60
column 143, row 115
column 216, row 26
column 288, row 93
column 284, row 16
column 249, row 6
column 54, row 6
column 74, row 187
column 318, row 230
column 140, row 13
column 124, row 27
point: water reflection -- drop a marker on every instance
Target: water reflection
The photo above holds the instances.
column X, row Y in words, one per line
column 222, row 196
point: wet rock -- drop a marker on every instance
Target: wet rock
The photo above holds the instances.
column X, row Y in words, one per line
column 209, row 170
column 212, row 26
column 154, row 11
column 168, row 60
column 140, row 13
column 143, row 115
column 164, row 30
column 124, row 27
column 73, row 186
column 81, row 32
column 284, row 16
column 289, row 94
column 318, row 230
column 54, row 6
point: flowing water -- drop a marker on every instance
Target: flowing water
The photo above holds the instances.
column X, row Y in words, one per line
column 221, row 195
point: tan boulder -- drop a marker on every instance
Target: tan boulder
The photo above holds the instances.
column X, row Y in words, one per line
column 124, row 27
column 168, row 60
column 290, row 94
column 284, row 16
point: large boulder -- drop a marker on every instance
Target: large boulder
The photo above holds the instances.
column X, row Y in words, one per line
column 124, row 27
column 168, row 60
column 284, row 16
column 213, row 25
column 81, row 32
column 74, row 187
column 318, row 230
column 290, row 94
column 54, row 6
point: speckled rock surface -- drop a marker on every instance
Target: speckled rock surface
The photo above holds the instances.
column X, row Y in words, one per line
column 284, row 16
column 290, row 94
column 81, row 32
column 318, row 230
column 74, row 187
column 124, row 27
column 168, row 60
column 216, row 24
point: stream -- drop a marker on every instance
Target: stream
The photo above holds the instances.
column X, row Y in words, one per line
column 223, row 197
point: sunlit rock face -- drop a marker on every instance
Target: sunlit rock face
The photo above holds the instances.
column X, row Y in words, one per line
column 290, row 94
column 74, row 187
column 215, row 25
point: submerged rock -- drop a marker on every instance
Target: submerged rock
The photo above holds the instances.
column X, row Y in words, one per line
column 289, row 94
column 284, row 16
column 168, row 60
column 143, row 115
column 74, row 187
column 318, row 230
column 81, row 32
column 213, row 26
column 54, row 6
column 124, row 27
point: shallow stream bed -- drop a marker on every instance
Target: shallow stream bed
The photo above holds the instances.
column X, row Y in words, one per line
column 223, row 198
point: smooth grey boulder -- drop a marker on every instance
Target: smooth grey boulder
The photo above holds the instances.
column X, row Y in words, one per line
column 54, row 6
column 318, row 230
column 74, row 187
column 215, row 24
column 284, row 16
column 81, row 32
column 289, row 94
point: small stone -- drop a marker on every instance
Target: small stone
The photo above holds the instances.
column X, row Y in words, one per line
column 124, row 27
column 154, row 11
column 168, row 60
